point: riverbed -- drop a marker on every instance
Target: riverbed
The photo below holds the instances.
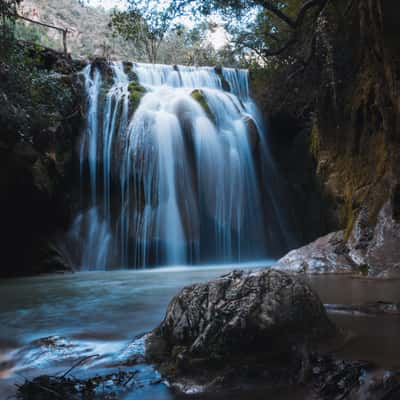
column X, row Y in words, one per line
column 48, row 323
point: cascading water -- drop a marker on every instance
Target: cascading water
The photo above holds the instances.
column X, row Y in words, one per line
column 177, row 180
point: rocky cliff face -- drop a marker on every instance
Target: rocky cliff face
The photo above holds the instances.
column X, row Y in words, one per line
column 344, row 114
column 40, row 117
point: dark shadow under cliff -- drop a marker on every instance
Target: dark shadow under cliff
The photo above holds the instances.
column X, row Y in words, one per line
column 40, row 118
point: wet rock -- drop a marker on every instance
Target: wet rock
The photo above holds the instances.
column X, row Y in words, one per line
column 243, row 309
column 333, row 379
column 224, row 82
column 252, row 134
column 370, row 249
column 46, row 58
column 104, row 66
column 360, row 237
column 198, row 95
column 136, row 92
column 132, row 76
column 328, row 254
column 395, row 199
column 377, row 248
column 105, row 387
column 248, row 323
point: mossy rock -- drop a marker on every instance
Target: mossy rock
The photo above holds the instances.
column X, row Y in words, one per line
column 136, row 92
column 315, row 141
column 252, row 134
column 199, row 97
column 349, row 225
column 132, row 76
column 42, row 175
column 225, row 84
column 364, row 269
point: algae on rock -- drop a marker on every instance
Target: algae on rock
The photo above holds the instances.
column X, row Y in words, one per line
column 136, row 92
column 198, row 95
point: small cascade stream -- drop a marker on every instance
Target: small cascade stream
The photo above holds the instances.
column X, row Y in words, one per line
column 177, row 178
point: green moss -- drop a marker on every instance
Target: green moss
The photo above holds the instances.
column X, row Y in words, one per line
column 136, row 92
column 199, row 97
column 349, row 225
column 364, row 269
column 314, row 140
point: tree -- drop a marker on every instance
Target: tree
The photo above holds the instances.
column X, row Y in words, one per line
column 190, row 46
column 8, row 12
column 146, row 23
column 270, row 27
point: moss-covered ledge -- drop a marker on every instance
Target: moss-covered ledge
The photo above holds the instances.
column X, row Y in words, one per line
column 198, row 95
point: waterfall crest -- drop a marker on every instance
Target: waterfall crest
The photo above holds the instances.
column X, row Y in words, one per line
column 178, row 180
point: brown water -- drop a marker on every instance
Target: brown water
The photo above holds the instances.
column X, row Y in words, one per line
column 102, row 312
column 371, row 337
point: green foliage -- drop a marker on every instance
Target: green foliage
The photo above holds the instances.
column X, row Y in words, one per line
column 8, row 10
column 314, row 141
column 192, row 47
column 349, row 224
column 90, row 35
column 364, row 269
column 34, row 34
column 36, row 99
column 136, row 92
column 261, row 29
column 145, row 24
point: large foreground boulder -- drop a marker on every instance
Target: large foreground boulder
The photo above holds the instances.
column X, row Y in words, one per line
column 244, row 310
column 260, row 321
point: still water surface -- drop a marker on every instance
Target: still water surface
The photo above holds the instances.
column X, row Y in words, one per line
column 102, row 313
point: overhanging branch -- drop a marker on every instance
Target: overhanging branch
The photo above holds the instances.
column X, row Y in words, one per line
column 296, row 24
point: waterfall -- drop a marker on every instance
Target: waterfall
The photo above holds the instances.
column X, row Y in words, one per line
column 178, row 178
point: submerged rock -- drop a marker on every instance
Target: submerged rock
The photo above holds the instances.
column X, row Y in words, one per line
column 376, row 308
column 257, row 322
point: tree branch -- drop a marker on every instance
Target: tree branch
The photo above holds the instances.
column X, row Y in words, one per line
column 40, row 23
column 294, row 24
column 268, row 5
column 306, row 7
column 297, row 24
